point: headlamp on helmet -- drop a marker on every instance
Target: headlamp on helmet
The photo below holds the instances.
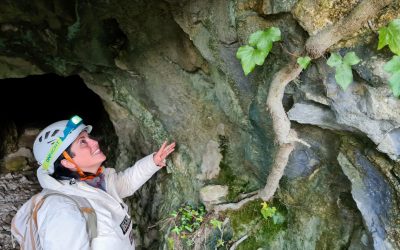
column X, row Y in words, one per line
column 54, row 139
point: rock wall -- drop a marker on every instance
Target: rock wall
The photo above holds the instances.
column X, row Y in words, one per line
column 167, row 69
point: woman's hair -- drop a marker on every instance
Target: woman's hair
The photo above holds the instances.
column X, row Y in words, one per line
column 61, row 172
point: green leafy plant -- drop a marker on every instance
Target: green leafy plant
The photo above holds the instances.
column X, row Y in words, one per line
column 343, row 74
column 278, row 218
column 390, row 35
column 393, row 67
column 187, row 220
column 260, row 44
column 267, row 211
column 218, row 224
column 271, row 212
column 304, row 61
column 170, row 242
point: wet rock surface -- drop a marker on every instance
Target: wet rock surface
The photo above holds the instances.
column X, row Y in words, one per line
column 375, row 197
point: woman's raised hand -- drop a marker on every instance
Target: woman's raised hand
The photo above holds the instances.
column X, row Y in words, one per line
column 162, row 153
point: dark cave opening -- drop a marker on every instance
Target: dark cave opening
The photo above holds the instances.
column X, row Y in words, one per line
column 36, row 101
column 42, row 99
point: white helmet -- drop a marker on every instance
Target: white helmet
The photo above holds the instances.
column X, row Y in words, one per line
column 54, row 139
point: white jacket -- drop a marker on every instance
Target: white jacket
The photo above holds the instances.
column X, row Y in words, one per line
column 61, row 225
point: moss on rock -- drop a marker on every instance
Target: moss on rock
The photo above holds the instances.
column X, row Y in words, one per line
column 249, row 221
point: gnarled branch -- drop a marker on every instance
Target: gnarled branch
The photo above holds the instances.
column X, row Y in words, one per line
column 317, row 45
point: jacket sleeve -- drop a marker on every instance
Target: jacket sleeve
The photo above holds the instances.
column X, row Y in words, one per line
column 61, row 225
column 128, row 181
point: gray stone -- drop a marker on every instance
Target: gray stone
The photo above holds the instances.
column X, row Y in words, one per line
column 313, row 91
column 353, row 109
column 391, row 144
column 28, row 137
column 302, row 162
column 382, row 104
column 371, row 65
column 213, row 194
column 19, row 190
column 16, row 163
column 17, row 67
column 362, row 108
column 373, row 196
column 211, row 160
column 277, row 6
column 309, row 113
column 23, row 152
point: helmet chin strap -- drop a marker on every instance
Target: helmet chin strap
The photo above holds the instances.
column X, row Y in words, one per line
column 82, row 175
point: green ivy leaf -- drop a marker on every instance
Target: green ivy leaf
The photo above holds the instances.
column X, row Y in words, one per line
column 394, row 83
column 250, row 57
column 260, row 44
column 263, row 39
column 334, row 60
column 278, row 218
column 304, row 61
column 216, row 224
column 171, row 243
column 266, row 211
column 344, row 76
column 343, row 73
column 220, row 243
column 189, row 228
column 351, row 59
column 176, row 230
column 390, row 36
column 189, row 242
column 393, row 67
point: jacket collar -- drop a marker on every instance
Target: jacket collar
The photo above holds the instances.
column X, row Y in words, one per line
column 46, row 181
column 85, row 190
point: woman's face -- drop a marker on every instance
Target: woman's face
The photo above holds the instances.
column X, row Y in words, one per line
column 86, row 153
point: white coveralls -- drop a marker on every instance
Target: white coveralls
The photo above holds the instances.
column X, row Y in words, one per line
column 61, row 225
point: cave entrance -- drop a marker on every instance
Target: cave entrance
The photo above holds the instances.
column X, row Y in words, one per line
column 29, row 104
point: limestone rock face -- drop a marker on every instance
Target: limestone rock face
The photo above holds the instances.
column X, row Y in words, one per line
column 374, row 196
column 15, row 163
column 168, row 70
column 211, row 160
column 362, row 109
column 316, row 15
column 213, row 194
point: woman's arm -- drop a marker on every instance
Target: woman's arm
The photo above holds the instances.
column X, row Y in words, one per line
column 128, row 181
column 131, row 179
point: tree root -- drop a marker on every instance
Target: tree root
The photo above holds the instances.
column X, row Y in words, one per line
column 317, row 45
column 286, row 137
column 236, row 244
column 276, row 174
column 234, row 206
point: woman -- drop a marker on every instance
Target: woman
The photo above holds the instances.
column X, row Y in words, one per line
column 71, row 164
